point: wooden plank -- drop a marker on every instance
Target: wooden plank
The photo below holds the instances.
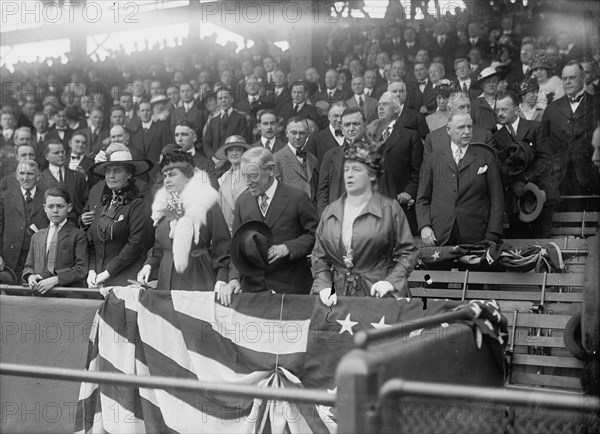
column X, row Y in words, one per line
column 538, row 320
column 572, row 230
column 475, row 294
column 575, row 217
column 552, row 361
column 522, row 338
column 546, row 380
column 567, row 243
column 498, row 278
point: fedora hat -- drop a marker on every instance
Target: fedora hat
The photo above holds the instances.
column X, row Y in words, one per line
column 119, row 153
column 250, row 247
column 231, row 142
column 531, row 203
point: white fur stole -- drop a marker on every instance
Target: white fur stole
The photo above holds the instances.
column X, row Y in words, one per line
column 198, row 196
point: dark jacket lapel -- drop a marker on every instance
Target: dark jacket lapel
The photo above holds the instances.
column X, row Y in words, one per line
column 278, row 205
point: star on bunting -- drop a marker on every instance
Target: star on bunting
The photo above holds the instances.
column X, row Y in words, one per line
column 347, row 325
column 381, row 324
column 435, row 256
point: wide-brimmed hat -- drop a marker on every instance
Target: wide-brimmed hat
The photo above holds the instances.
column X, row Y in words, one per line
column 366, row 153
column 230, row 142
column 518, row 157
column 531, row 203
column 250, row 247
column 158, row 99
column 119, row 153
column 488, row 72
column 529, row 85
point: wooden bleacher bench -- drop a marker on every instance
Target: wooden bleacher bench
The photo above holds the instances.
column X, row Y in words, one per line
column 537, row 307
column 580, row 224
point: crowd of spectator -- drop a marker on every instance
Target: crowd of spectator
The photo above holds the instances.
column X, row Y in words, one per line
column 468, row 118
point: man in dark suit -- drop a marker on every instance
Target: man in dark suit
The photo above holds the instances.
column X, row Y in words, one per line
column 59, row 259
column 76, row 154
column 293, row 221
column 58, row 173
column 439, row 139
column 150, row 139
column 539, row 171
column 279, row 94
column 23, row 152
column 188, row 109
column 267, row 123
column 229, row 123
column 421, row 96
column 21, row 215
column 299, row 105
column 60, row 130
column 408, row 117
column 569, row 123
column 253, row 103
column 293, row 165
column 465, row 80
column 331, row 93
column 402, row 155
column 331, row 172
column 96, row 133
column 459, row 200
column 330, row 137
column 521, row 70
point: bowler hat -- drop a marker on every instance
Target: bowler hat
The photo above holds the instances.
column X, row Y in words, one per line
column 250, row 247
column 531, row 203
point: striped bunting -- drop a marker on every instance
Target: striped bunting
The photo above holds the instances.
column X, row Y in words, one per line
column 262, row 339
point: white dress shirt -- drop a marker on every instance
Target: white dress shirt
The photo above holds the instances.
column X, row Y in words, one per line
column 269, row 193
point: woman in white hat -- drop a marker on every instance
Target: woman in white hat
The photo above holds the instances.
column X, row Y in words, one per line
column 191, row 248
column 120, row 229
column 231, row 184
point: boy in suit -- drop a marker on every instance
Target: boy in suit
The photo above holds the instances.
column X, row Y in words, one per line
column 58, row 254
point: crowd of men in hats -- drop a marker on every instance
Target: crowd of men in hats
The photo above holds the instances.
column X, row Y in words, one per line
column 473, row 121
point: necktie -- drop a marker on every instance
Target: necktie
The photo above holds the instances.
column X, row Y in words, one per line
column 224, row 119
column 301, row 153
column 360, row 101
column 263, row 204
column 457, row 155
column 28, row 197
column 329, row 95
column 511, row 131
column 387, row 132
column 465, row 89
column 295, row 111
column 94, row 136
column 52, row 249
column 338, row 133
column 268, row 144
column 145, row 133
column 576, row 99
column 60, row 175
column 270, row 77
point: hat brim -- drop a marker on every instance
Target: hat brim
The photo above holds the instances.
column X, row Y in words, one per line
column 501, row 73
column 540, row 196
column 159, row 101
column 221, row 153
column 238, row 240
column 141, row 166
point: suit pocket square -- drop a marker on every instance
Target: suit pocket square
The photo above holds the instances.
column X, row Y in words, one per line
column 482, row 170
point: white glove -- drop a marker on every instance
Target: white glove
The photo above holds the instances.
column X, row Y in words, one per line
column 144, row 274
column 91, row 279
column 327, row 298
column 379, row 289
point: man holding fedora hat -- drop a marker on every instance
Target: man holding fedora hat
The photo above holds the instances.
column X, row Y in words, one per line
column 526, row 172
column 292, row 219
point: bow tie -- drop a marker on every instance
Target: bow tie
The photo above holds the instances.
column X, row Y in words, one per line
column 61, row 129
column 338, row 133
column 423, row 82
column 76, row 157
column 300, row 153
column 576, row 99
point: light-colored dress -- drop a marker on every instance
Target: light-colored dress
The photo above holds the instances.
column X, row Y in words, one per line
column 231, row 186
column 553, row 85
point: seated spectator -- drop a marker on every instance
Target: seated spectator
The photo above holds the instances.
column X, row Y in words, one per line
column 191, row 248
column 58, row 254
column 354, row 231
